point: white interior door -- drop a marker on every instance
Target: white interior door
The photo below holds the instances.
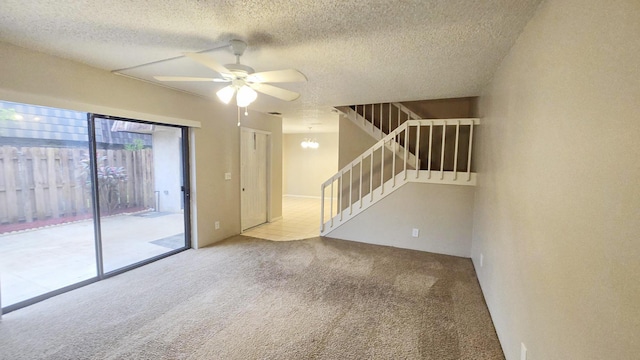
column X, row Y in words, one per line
column 254, row 149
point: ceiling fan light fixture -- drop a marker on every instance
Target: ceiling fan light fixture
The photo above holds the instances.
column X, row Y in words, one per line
column 226, row 93
column 244, row 80
column 246, row 96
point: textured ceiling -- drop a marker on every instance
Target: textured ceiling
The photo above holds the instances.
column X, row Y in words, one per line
column 352, row 51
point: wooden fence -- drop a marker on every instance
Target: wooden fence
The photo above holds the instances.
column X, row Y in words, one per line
column 38, row 183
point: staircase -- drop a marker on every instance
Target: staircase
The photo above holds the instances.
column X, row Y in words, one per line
column 409, row 149
column 378, row 119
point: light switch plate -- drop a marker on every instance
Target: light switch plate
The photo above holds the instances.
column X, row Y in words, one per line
column 227, row 176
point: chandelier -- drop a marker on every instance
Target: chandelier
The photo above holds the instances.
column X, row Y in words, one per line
column 309, row 144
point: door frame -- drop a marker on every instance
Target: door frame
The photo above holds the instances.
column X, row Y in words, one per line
column 269, row 161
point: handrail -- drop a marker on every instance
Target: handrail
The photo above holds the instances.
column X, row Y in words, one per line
column 375, row 116
column 366, row 153
column 406, row 110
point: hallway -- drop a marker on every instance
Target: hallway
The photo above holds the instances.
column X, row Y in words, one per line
column 300, row 220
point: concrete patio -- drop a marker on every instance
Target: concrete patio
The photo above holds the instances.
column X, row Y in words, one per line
column 34, row 262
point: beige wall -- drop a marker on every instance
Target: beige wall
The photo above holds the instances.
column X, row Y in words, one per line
column 557, row 214
column 36, row 78
column 306, row 169
column 444, row 108
column 352, row 141
column 442, row 213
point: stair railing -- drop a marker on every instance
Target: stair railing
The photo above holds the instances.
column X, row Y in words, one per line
column 373, row 115
column 386, row 173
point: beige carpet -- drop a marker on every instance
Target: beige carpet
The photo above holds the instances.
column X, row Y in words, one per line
column 254, row 299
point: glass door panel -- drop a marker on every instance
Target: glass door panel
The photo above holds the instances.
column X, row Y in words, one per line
column 140, row 179
column 46, row 222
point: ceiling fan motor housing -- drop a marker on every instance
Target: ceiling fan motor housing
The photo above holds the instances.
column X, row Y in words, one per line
column 240, row 70
column 238, row 46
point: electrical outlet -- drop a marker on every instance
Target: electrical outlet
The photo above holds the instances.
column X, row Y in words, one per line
column 227, row 176
column 415, row 232
column 523, row 352
column 217, row 225
column 481, row 260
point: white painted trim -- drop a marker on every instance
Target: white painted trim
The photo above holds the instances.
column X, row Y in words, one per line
column 193, row 196
column 43, row 100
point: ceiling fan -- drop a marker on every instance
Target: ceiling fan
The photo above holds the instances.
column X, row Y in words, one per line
column 243, row 79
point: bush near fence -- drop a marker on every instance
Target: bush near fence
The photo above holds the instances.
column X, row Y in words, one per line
column 40, row 183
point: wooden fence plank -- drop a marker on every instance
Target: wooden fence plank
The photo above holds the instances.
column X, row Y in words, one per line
column 4, row 217
column 38, row 182
column 10, row 183
column 78, row 183
column 52, row 185
column 109, row 154
column 150, row 199
column 25, row 188
column 128, row 166
column 122, row 185
column 66, row 165
column 137, row 178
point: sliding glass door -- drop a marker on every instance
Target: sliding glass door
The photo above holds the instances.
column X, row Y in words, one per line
column 46, row 205
column 140, row 190
column 84, row 197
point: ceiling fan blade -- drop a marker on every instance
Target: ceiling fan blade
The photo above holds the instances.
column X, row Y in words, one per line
column 277, row 76
column 280, row 93
column 188, row 78
column 210, row 63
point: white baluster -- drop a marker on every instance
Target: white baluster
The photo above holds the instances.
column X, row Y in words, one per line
column 393, row 162
column 360, row 187
column 350, row 189
column 390, row 119
column 469, row 156
column 373, row 117
column 322, row 208
column 380, row 121
column 444, row 132
column 430, row 146
column 382, row 168
column 331, row 207
column 371, row 178
column 340, row 194
column 406, row 150
column 455, row 154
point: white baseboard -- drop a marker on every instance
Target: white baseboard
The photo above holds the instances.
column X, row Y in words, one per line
column 275, row 219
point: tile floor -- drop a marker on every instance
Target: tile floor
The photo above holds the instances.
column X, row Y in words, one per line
column 300, row 220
